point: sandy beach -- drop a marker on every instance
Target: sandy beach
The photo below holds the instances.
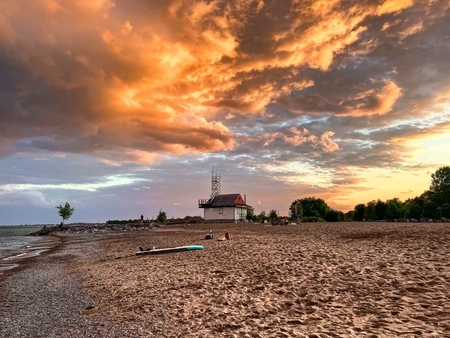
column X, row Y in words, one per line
column 308, row 280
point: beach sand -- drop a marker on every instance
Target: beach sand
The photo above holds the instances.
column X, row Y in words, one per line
column 308, row 280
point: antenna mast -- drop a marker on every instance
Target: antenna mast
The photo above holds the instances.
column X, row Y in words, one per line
column 215, row 184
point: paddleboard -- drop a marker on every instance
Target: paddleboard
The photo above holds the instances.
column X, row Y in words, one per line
column 169, row 250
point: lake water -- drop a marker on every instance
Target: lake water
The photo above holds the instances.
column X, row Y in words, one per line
column 16, row 246
column 13, row 238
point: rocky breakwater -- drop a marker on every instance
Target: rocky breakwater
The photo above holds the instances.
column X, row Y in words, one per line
column 93, row 228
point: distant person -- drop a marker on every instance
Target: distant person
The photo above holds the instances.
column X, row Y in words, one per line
column 210, row 235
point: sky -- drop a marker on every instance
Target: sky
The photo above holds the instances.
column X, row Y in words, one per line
column 124, row 107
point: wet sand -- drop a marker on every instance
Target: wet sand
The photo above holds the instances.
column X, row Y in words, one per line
column 33, row 249
column 308, row 280
column 40, row 298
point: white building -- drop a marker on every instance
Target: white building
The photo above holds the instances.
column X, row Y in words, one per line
column 224, row 208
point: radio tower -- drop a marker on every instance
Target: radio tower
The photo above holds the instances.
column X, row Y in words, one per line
column 215, row 185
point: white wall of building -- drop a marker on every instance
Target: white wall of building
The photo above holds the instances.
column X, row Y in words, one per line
column 228, row 213
column 240, row 213
column 219, row 213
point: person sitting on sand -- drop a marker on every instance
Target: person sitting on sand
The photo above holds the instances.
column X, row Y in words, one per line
column 210, row 235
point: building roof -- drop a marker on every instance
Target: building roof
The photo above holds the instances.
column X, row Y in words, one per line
column 228, row 200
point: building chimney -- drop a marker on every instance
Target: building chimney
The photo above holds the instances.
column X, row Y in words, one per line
column 245, row 199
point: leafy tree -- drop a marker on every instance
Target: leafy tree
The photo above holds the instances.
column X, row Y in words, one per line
column 311, row 219
column 262, row 216
column 380, row 209
column 413, row 208
column 371, row 213
column 430, row 209
column 433, row 203
column 440, row 185
column 65, row 211
column 162, row 217
column 296, row 210
column 360, row 210
column 250, row 213
column 334, row 216
column 445, row 210
column 310, row 207
column 429, row 206
column 394, row 209
column 348, row 217
column 273, row 214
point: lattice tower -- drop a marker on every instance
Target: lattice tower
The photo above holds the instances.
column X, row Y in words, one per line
column 215, row 185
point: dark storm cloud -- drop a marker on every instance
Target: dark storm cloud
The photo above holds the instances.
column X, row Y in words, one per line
column 257, row 87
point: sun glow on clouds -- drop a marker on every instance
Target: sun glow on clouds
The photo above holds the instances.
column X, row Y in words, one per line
column 299, row 172
column 128, row 98
column 381, row 179
column 141, row 83
column 297, row 137
column 109, row 182
column 373, row 101
column 157, row 76
column 392, row 6
column 433, row 150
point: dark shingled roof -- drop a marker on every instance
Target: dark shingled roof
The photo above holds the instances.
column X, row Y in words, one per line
column 228, row 200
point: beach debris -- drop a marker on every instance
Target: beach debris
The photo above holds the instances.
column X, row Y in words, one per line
column 210, row 235
column 225, row 237
column 152, row 248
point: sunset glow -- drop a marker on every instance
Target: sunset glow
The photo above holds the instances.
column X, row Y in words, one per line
column 123, row 107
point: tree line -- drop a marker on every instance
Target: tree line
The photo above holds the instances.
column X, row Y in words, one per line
column 433, row 203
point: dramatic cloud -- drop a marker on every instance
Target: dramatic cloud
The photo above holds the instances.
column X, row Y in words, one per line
column 292, row 98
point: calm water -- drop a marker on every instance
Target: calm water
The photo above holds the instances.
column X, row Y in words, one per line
column 14, row 237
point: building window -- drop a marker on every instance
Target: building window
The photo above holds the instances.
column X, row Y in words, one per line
column 220, row 210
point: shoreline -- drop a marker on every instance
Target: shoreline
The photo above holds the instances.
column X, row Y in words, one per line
column 49, row 237
column 328, row 279
column 42, row 297
column 18, row 256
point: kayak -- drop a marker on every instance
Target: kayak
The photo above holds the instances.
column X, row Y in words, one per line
column 169, row 250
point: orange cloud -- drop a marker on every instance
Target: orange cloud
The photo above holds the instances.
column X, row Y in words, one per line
column 300, row 137
column 392, row 6
column 372, row 102
column 332, row 32
column 297, row 137
column 200, row 9
column 162, row 77
column 328, row 145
